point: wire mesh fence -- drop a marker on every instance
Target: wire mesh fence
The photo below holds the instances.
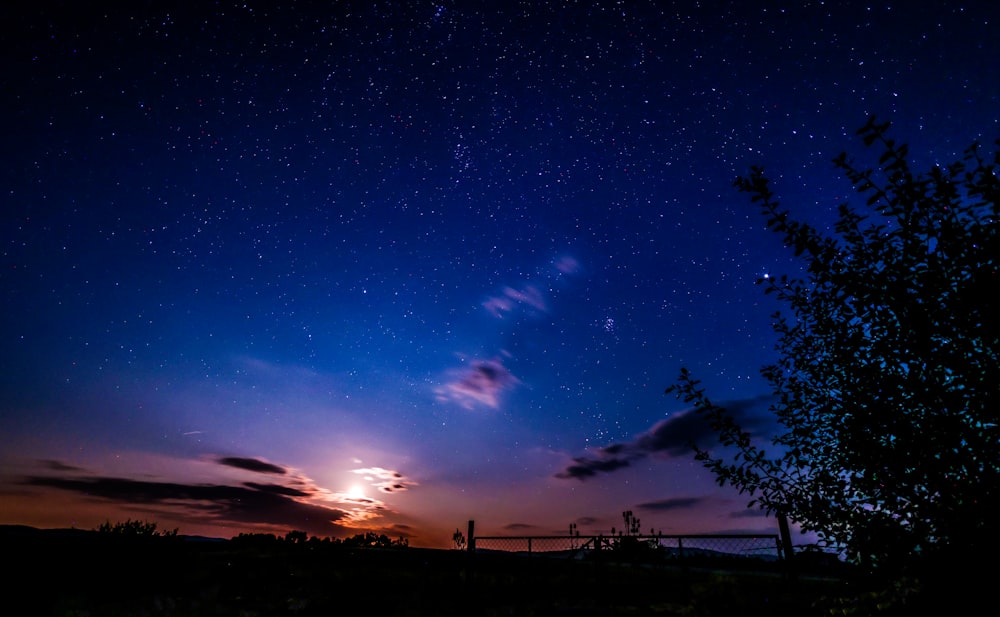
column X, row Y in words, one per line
column 532, row 544
column 687, row 547
column 763, row 546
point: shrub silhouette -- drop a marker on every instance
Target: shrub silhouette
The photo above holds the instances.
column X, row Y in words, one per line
column 134, row 529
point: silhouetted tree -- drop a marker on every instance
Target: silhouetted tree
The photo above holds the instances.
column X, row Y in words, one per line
column 255, row 539
column 459, row 539
column 885, row 389
column 134, row 529
column 370, row 539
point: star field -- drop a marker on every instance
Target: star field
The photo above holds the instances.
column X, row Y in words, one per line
column 447, row 252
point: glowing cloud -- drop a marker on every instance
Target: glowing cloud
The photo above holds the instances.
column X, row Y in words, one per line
column 385, row 480
column 481, row 384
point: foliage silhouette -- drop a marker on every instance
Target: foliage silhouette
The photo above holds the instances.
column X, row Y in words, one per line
column 368, row 539
column 632, row 527
column 630, row 544
column 459, row 539
column 885, row 386
column 371, row 539
column 134, row 529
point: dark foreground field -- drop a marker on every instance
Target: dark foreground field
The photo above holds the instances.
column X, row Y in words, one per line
column 84, row 573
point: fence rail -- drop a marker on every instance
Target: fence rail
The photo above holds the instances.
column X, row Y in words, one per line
column 762, row 546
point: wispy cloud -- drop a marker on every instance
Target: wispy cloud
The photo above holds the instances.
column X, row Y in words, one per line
column 481, row 383
column 385, row 480
column 59, row 466
column 478, row 385
column 566, row 265
column 527, row 297
column 530, row 296
column 749, row 513
column 671, row 437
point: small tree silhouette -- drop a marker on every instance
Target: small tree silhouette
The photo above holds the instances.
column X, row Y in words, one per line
column 459, row 539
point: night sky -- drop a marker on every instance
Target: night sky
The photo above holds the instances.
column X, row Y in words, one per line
column 393, row 266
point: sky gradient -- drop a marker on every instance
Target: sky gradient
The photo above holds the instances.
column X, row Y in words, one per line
column 356, row 266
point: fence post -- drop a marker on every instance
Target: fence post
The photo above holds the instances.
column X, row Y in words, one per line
column 470, row 556
column 786, row 546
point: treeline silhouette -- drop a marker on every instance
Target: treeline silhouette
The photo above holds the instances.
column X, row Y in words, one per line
column 368, row 539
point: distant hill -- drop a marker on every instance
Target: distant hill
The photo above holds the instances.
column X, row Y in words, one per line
column 26, row 532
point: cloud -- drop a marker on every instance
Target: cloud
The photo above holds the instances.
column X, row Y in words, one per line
column 675, row 435
column 749, row 513
column 566, row 265
column 59, row 466
column 675, row 503
column 385, row 480
column 482, row 383
column 277, row 489
column 670, row 437
column 478, row 385
column 285, row 499
column 252, row 464
column 586, row 467
column 214, row 503
column 528, row 297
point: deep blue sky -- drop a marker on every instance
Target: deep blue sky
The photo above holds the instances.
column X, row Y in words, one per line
column 393, row 266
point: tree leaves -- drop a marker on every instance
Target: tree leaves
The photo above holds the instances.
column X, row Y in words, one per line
column 888, row 362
